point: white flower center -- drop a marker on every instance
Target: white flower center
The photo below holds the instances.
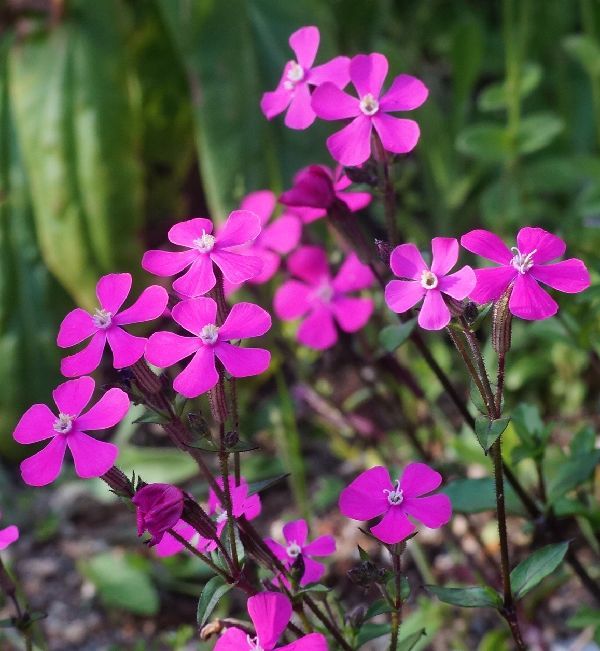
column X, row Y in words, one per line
column 209, row 334
column 63, row 424
column 429, row 280
column 324, row 292
column 205, row 243
column 294, row 75
column 102, row 318
column 253, row 643
column 369, row 105
column 293, row 550
column 395, row 496
column 522, row 262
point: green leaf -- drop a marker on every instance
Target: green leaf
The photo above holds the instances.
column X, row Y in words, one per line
column 152, row 417
column 477, row 496
column 538, row 131
column 371, row 631
column 487, row 142
column 379, row 607
column 528, row 423
column 496, row 96
column 259, row 486
column 409, row 642
column 121, row 584
column 584, row 50
column 393, row 336
column 536, row 567
column 584, row 617
column 212, row 593
column 243, row 446
column 572, row 473
column 157, row 464
column 471, row 597
column 488, row 431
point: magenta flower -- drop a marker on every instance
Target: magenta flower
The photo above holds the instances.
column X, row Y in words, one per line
column 522, row 267
column 202, row 249
column 8, row 536
column 317, row 187
column 92, row 457
column 428, row 284
column 198, row 316
column 373, row 494
column 270, row 613
column 293, row 91
column 352, row 145
column 159, row 507
column 324, row 300
column 296, row 534
column 105, row 325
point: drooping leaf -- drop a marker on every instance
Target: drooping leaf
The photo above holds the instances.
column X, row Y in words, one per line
column 393, row 336
column 211, row 594
column 259, row 486
column 536, row 567
column 471, row 597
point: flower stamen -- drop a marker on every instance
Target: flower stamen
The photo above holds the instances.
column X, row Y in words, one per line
column 396, row 495
column 102, row 318
column 293, row 550
column 209, row 334
column 205, row 243
column 522, row 262
column 369, row 105
column 429, row 280
column 63, row 424
column 294, row 75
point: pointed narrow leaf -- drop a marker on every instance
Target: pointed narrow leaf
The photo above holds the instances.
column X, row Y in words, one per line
column 410, row 641
column 471, row 597
column 212, row 593
column 536, row 567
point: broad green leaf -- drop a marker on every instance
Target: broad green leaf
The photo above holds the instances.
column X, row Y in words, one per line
column 572, row 472
column 212, row 593
column 379, row 607
column 536, row 567
column 585, row 616
column 538, row 131
column 157, row 464
column 370, row 631
column 471, row 597
column 409, row 642
column 121, row 583
column 528, row 423
column 477, row 495
column 586, row 51
column 495, row 96
column 393, row 336
column 488, row 431
column 487, row 142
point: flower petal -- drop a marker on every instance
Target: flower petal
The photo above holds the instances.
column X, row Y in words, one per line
column 368, row 72
column 310, row 642
column 168, row 263
column 237, row 268
column 305, row 43
column 419, row 479
column 278, row 549
column 351, row 146
column 242, row 362
column 107, row 412
column 405, row 94
column 398, row 135
column 75, row 327
column 401, row 295
column 283, row 234
column 300, row 114
column 529, row 301
column 353, row 275
column 406, row 261
column 355, row 200
column 112, row 290
column 8, row 536
column 151, row 303
column 199, row 376
column 295, row 531
column 35, row 425
column 184, row 233
column 291, row 300
column 318, row 329
column 491, row 283
column 352, row 314
column 72, row 396
column 331, row 103
column 261, row 203
column 242, row 226
column 233, row 639
column 321, row 546
column 487, row 245
column 270, row 612
column 44, row 467
column 309, row 263
column 245, row 320
column 433, row 511
column 86, row 360
column 434, row 314
column 126, row 348
column 459, row 284
column 270, row 263
column 92, row 457
column 570, row 276
column 275, row 102
column 547, row 246
column 193, row 314
column 394, row 527
column 445, row 254
column 364, row 498
column 313, row 571
column 336, row 71
column 199, row 279
column 166, row 348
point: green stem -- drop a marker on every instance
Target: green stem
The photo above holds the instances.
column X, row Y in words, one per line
column 387, row 190
column 396, row 615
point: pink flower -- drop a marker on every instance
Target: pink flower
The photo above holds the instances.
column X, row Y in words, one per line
column 293, row 92
column 202, row 249
column 242, row 505
column 295, row 534
column 352, row 145
column 105, row 325
column 324, row 300
column 8, row 536
column 159, row 507
column 92, row 457
column 270, row 613
column 317, row 187
column 373, row 494
column 429, row 284
column 522, row 267
column 198, row 316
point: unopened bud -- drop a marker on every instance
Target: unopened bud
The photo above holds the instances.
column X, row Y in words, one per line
column 356, row 616
column 502, row 324
column 297, row 569
column 366, row 574
column 471, row 313
column 198, row 425
column 365, row 174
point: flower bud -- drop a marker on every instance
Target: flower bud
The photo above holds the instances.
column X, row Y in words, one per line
column 313, row 188
column 502, row 324
column 159, row 507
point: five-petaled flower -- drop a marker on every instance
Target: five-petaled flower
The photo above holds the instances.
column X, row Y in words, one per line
column 92, row 457
column 158, row 508
column 317, row 187
column 522, row 267
column 295, row 534
column 8, row 535
column 293, row 91
column 428, row 283
column 352, row 145
column 106, row 325
column 270, row 613
column 203, row 248
column 198, row 316
column 322, row 298
column 373, row 494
